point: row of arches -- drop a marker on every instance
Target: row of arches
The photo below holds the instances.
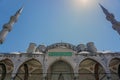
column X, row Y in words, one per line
column 89, row 69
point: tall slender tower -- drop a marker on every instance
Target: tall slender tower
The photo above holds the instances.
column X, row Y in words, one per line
column 110, row 17
column 8, row 26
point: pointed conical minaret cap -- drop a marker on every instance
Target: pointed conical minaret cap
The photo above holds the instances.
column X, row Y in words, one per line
column 21, row 9
column 104, row 10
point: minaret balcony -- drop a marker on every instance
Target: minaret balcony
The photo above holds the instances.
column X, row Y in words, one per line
column 7, row 26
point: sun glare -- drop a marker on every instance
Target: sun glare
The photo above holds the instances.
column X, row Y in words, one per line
column 84, row 3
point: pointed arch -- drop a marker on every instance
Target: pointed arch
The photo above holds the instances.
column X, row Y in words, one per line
column 6, row 68
column 64, row 60
column 93, row 66
column 114, row 66
column 60, row 70
column 29, row 70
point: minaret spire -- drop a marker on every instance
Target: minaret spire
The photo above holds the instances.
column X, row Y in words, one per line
column 8, row 26
column 104, row 10
column 17, row 14
column 110, row 17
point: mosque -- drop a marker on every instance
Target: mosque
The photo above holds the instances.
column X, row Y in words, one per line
column 60, row 61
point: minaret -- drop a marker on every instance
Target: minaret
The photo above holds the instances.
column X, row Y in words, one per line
column 110, row 17
column 8, row 26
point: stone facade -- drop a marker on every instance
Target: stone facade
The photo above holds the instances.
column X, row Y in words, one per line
column 60, row 61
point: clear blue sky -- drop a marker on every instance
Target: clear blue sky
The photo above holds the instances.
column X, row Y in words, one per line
column 50, row 21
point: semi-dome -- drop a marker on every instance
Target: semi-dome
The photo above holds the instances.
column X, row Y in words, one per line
column 62, row 45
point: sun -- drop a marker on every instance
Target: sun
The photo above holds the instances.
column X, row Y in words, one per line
column 83, row 3
column 78, row 3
